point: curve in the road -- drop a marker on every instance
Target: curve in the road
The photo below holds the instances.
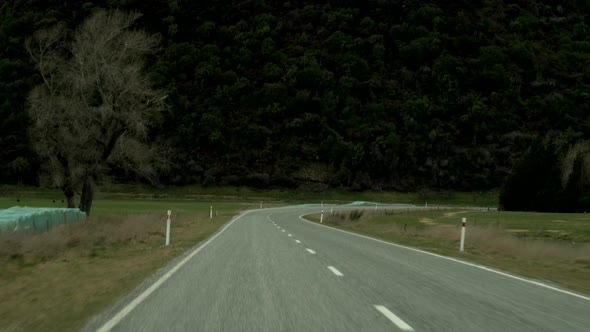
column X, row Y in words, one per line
column 268, row 271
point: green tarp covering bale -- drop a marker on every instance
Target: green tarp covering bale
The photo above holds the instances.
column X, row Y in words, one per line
column 33, row 220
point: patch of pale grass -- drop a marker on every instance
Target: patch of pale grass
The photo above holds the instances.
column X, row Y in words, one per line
column 427, row 221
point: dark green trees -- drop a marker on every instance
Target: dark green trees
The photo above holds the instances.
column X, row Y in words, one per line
column 548, row 181
column 534, row 184
column 378, row 94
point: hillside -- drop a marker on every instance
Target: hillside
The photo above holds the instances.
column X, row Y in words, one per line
column 357, row 94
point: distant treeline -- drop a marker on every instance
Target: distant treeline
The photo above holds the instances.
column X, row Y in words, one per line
column 379, row 94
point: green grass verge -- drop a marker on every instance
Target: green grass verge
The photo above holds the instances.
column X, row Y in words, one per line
column 57, row 280
column 572, row 227
column 12, row 193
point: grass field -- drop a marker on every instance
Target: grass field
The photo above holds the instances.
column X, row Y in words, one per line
column 196, row 193
column 55, row 281
column 548, row 246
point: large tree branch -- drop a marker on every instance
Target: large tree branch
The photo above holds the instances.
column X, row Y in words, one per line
column 111, row 143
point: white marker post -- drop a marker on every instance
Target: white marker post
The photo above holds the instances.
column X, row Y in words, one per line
column 331, row 211
column 261, row 204
column 462, row 245
column 211, row 212
column 168, row 228
column 322, row 203
column 322, row 217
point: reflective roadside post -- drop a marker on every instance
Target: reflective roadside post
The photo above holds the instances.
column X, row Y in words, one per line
column 168, row 228
column 462, row 245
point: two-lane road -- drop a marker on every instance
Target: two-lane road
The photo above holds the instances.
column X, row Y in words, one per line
column 269, row 270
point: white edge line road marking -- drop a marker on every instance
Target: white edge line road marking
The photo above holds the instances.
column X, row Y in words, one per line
column 456, row 261
column 297, row 241
column 336, row 272
column 392, row 317
column 310, row 251
column 133, row 304
column 290, row 235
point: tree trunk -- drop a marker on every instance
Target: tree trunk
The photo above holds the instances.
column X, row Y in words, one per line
column 87, row 196
column 69, row 193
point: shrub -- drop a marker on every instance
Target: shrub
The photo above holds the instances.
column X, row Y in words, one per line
column 355, row 215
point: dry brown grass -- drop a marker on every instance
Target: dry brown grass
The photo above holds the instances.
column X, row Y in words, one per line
column 56, row 280
column 88, row 235
column 488, row 240
column 484, row 239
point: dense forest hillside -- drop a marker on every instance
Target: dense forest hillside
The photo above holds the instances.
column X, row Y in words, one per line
column 358, row 94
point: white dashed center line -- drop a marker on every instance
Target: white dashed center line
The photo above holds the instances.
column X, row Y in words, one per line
column 297, row 241
column 392, row 317
column 290, row 235
column 310, row 251
column 336, row 272
column 283, row 230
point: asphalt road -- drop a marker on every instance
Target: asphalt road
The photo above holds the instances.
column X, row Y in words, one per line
column 269, row 270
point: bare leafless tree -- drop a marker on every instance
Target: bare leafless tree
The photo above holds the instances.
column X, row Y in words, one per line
column 95, row 104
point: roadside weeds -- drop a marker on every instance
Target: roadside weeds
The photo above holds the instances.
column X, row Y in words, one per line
column 55, row 281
